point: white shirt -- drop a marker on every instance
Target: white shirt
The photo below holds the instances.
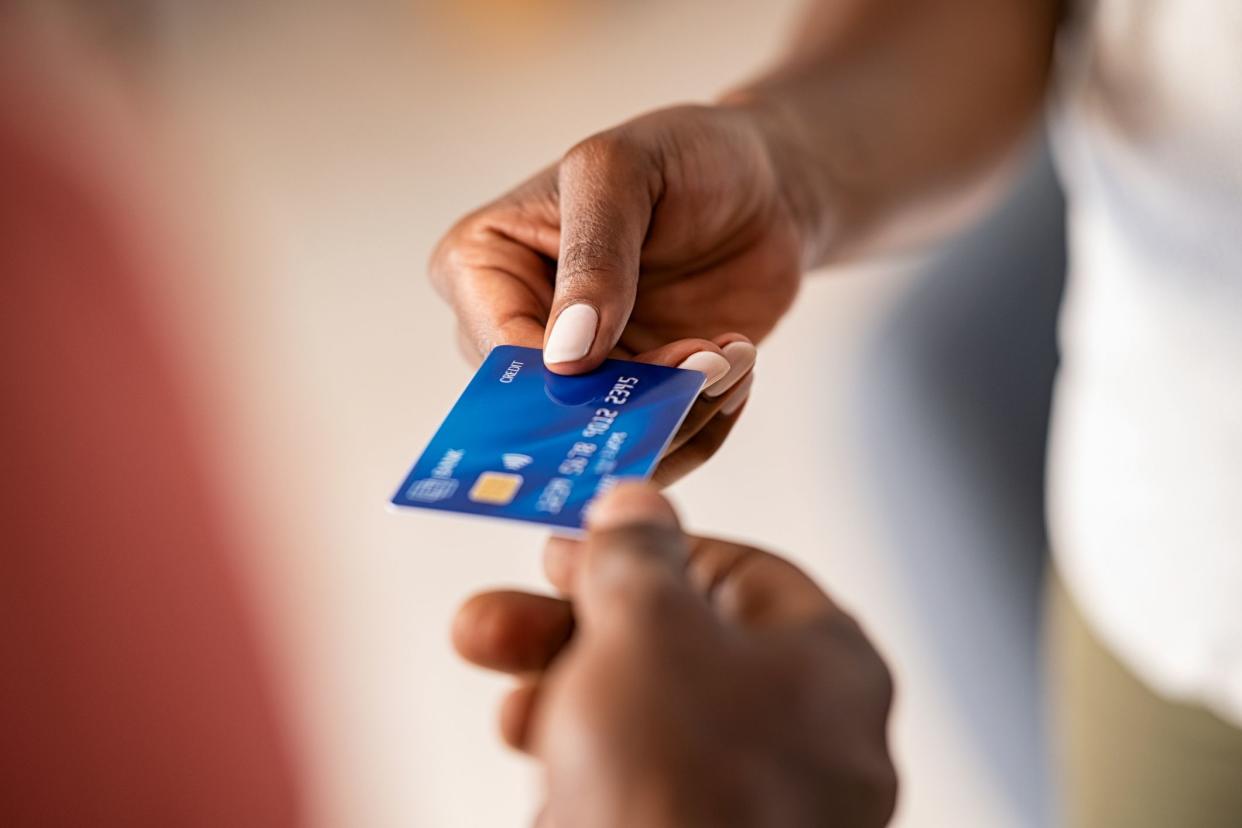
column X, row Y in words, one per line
column 1146, row 452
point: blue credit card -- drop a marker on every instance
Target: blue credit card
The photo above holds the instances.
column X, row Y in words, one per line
column 523, row 443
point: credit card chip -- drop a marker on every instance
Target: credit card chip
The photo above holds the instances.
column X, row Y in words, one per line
column 496, row 488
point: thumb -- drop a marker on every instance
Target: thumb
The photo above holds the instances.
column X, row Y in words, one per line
column 606, row 189
column 634, row 558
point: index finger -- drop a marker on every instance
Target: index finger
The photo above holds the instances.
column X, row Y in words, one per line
column 499, row 290
column 495, row 267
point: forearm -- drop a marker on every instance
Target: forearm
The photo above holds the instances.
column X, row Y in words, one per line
column 884, row 109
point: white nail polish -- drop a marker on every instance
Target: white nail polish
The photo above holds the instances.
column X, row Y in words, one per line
column 572, row 335
column 741, row 356
column 739, row 397
column 712, row 365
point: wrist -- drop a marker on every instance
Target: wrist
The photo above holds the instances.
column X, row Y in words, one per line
column 819, row 203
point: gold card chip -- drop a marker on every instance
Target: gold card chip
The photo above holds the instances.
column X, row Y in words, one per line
column 496, row 488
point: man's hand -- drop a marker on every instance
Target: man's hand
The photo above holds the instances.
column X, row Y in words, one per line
column 667, row 238
column 686, row 682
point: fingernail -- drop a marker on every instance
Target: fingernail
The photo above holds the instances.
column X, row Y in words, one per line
column 572, row 335
column 628, row 503
column 711, row 364
column 558, row 559
column 740, row 395
column 741, row 356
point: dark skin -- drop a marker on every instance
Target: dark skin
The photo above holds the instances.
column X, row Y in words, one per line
column 686, row 681
column 696, row 222
column 698, row 239
column 685, row 229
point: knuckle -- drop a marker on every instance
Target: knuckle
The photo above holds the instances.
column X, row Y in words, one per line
column 448, row 257
column 461, row 258
column 604, row 151
column 439, row 265
column 586, row 257
column 879, row 787
column 461, row 263
column 617, row 159
column 881, row 678
column 870, row 664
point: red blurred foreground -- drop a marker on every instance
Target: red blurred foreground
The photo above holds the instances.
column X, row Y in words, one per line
column 134, row 692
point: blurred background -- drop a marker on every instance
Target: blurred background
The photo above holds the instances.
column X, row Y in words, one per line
column 314, row 152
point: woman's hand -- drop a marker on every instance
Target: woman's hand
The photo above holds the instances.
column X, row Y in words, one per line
column 669, row 234
column 673, row 225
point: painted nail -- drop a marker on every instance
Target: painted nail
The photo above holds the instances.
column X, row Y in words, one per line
column 741, row 356
column 740, row 395
column 711, row 364
column 572, row 335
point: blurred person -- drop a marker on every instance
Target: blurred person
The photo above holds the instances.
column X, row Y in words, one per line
column 136, row 689
column 888, row 125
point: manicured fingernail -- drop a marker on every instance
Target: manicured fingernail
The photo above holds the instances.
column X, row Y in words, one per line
column 572, row 335
column 740, row 395
column 711, row 364
column 741, row 356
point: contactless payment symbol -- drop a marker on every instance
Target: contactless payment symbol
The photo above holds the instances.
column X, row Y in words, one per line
column 496, row 488
column 516, row 462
